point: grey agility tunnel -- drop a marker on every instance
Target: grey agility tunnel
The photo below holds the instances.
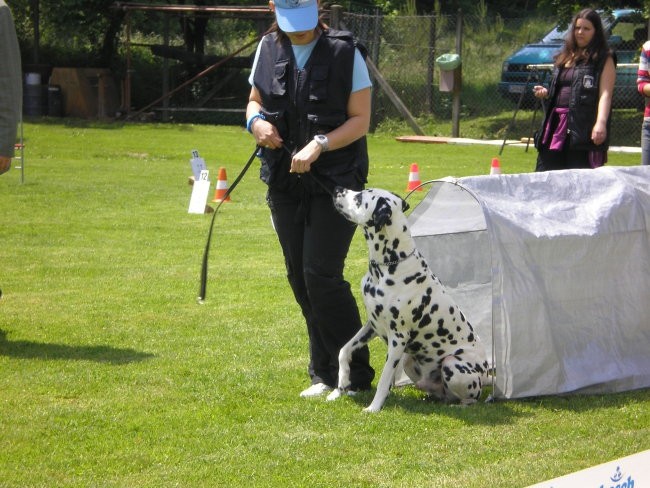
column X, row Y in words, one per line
column 552, row 270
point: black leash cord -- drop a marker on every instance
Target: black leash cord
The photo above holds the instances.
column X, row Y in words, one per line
column 317, row 179
column 206, row 252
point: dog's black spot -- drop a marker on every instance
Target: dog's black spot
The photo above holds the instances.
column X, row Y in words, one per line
column 368, row 288
column 409, row 279
column 428, row 336
column 395, row 363
column 447, row 372
column 435, row 345
column 366, row 337
column 442, row 332
column 389, row 282
column 394, row 312
column 416, row 313
column 451, row 310
column 470, row 337
column 426, row 320
column 462, row 369
column 420, row 357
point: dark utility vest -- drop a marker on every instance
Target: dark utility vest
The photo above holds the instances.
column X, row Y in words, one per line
column 583, row 105
column 303, row 103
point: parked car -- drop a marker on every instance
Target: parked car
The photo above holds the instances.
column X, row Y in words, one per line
column 626, row 30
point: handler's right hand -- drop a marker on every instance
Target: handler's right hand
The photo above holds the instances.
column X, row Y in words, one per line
column 266, row 135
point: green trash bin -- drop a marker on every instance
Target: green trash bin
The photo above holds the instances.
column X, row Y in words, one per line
column 448, row 62
column 449, row 71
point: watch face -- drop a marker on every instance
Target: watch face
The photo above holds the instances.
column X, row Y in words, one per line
column 322, row 140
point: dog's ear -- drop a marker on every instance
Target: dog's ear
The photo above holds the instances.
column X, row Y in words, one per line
column 381, row 214
column 405, row 206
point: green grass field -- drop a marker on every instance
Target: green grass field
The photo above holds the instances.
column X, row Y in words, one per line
column 111, row 375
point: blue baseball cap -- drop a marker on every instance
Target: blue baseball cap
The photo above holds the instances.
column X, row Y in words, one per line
column 296, row 15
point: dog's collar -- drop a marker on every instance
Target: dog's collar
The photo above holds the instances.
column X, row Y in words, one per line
column 393, row 263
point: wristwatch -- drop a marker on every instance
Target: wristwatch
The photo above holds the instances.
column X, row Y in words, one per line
column 322, row 141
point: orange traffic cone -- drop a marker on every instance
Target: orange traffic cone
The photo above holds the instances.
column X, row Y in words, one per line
column 495, row 169
column 414, row 178
column 222, row 187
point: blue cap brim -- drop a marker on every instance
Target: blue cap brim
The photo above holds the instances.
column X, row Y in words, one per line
column 297, row 19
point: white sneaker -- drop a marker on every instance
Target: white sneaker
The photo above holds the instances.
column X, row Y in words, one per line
column 315, row 390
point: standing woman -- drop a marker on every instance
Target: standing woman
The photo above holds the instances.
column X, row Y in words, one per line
column 575, row 130
column 309, row 111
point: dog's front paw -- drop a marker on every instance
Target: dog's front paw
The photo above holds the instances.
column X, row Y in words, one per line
column 335, row 394
column 372, row 408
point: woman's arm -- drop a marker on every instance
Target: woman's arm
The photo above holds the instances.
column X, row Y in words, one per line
column 606, row 89
column 643, row 74
column 264, row 132
column 355, row 127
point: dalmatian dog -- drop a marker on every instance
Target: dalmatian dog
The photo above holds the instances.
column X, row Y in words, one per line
column 409, row 309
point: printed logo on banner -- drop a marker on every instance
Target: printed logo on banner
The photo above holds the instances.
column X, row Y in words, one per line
column 618, row 476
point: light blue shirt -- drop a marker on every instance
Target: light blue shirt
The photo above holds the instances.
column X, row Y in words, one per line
column 360, row 75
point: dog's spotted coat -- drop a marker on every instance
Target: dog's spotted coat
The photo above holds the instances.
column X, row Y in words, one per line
column 408, row 308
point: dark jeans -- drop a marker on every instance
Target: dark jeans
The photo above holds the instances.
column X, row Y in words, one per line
column 563, row 159
column 315, row 240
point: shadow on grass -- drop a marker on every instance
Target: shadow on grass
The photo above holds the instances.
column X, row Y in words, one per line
column 582, row 402
column 501, row 412
column 411, row 400
column 45, row 351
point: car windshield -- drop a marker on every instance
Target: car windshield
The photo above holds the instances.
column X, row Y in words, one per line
column 556, row 36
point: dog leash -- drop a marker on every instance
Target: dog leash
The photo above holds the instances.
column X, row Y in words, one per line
column 311, row 173
column 206, row 252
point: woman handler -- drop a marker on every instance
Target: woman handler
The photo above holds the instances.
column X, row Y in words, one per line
column 309, row 110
